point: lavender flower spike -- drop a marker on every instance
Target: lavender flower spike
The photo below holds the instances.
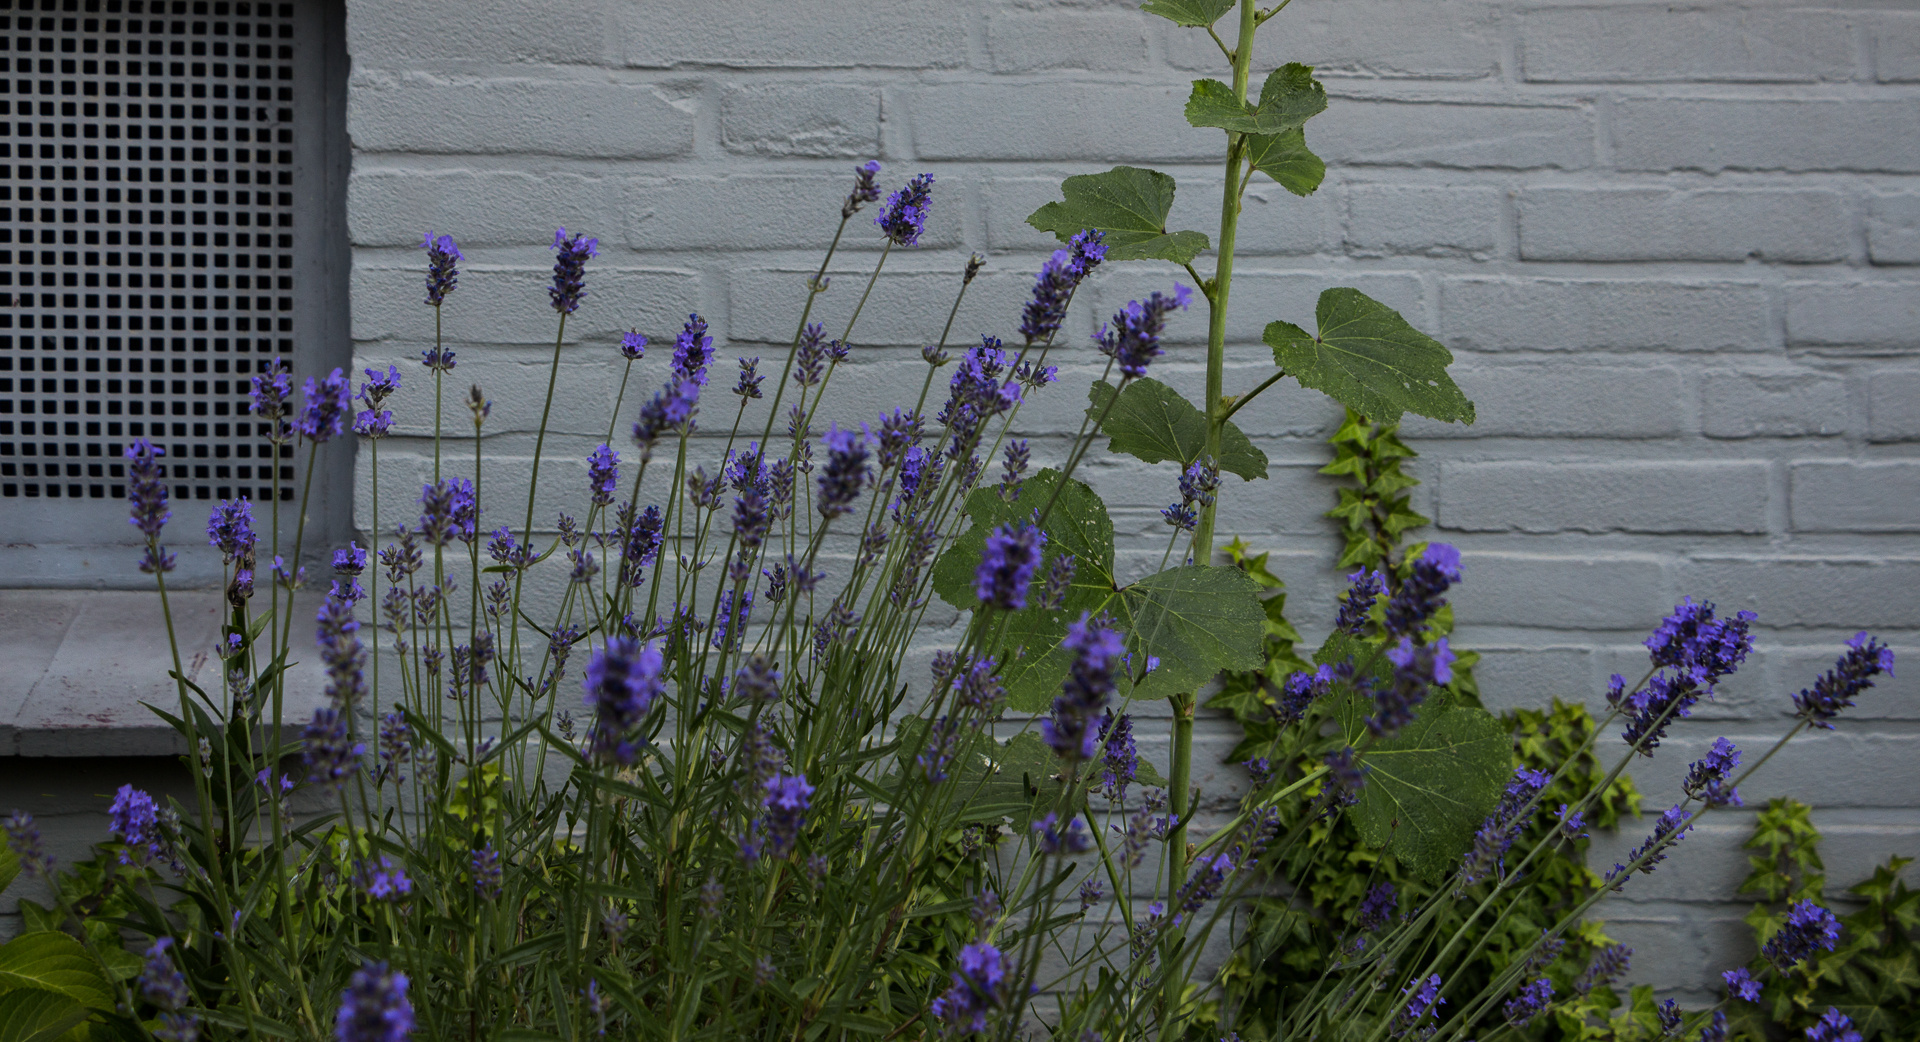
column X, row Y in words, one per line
column 1007, row 564
column 904, row 217
column 570, row 270
column 864, row 190
column 1833, row 1026
column 442, row 274
column 1864, row 659
column 146, row 487
column 328, row 404
column 845, row 472
column 374, row 1008
column 230, row 529
column 1072, row 730
column 1132, row 338
column 603, row 474
column 622, row 683
column 1808, row 928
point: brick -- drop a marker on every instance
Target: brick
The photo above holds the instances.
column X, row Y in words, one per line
column 1893, row 228
column 1527, row 496
column 1020, row 41
column 391, row 207
column 1358, row 132
column 1272, row 222
column 1260, row 297
column 1435, row 222
column 509, row 305
column 1623, row 43
column 1674, row 134
column 1854, row 314
column 1503, row 314
column 1563, row 401
column 410, row 36
column 907, row 307
column 1529, row 678
column 1896, row 48
column 1827, row 592
column 1893, row 405
column 1775, row 405
column 789, row 119
column 1371, row 38
column 1854, row 496
column 495, row 116
column 1121, row 123
column 1624, row 224
column 1559, row 591
column 754, row 212
column 911, row 34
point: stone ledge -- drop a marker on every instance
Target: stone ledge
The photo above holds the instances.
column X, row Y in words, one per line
column 76, row 667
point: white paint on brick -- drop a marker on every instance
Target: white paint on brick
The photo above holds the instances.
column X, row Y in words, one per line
column 1893, row 405
column 1663, row 496
column 1652, row 223
column 1893, row 228
column 790, row 119
column 1388, row 220
column 1657, row 314
column 1788, row 404
column 1564, row 401
column 1849, row 496
column 1854, row 314
column 464, row 115
column 1644, row 43
column 1855, row 134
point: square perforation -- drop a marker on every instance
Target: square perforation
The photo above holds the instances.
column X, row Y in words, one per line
column 146, row 241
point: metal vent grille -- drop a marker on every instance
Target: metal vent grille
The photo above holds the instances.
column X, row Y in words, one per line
column 146, row 241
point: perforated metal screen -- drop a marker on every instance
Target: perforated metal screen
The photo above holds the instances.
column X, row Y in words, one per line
column 147, row 240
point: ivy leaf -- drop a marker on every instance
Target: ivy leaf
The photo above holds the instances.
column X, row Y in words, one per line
column 37, row 1015
column 1289, row 98
column 1286, row 158
column 54, row 962
column 1432, row 784
column 1197, row 13
column 1153, row 423
column 1197, row 620
column 1369, row 359
column 1130, row 205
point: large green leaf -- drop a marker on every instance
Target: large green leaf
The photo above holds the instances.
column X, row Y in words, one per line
column 1369, row 359
column 1286, row 158
column 1430, row 785
column 37, row 1015
column 9, row 866
column 1289, row 98
column 1197, row 620
column 54, row 962
column 1152, row 423
column 1130, row 205
column 1198, row 13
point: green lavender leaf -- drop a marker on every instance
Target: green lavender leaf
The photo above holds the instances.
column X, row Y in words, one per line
column 1369, row 359
column 1130, row 205
column 1197, row 13
column 1153, row 422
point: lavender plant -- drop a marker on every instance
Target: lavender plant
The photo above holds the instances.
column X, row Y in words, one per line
column 660, row 768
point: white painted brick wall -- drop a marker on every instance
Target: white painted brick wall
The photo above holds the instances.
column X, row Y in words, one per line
column 1674, row 249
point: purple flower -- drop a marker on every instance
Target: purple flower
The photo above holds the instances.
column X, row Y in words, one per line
column 1532, row 1000
column 328, row 404
column 622, row 682
column 1503, row 826
column 864, row 190
column 731, row 621
column 146, row 487
column 1054, row 286
column 603, row 474
column 1708, row 779
column 693, row 351
column 1014, row 467
column 904, row 217
column 437, row 358
column 786, row 800
column 1364, row 588
column 1119, row 757
column 1055, row 838
column 1299, row 692
column 442, row 275
column 1208, row 879
column 230, row 529
column 1421, row 594
column 1833, row 1026
column 1423, row 1001
column 1096, row 651
column 641, row 545
column 23, row 836
column 1808, row 928
column 1864, row 659
column 1416, row 670
column 373, row 424
column 1132, row 338
column 1607, row 965
column 1669, row 1016
column 449, row 510
column 1741, row 985
column 980, row 989
column 1673, row 825
column 351, row 559
column 570, row 270
column 161, row 982
column 1180, row 516
column 1007, row 563
column 379, row 385
column 330, row 755
column 810, row 359
column 383, row 880
column 269, row 394
column 1694, row 641
column 134, row 817
column 396, row 744
column 845, row 472
column 1346, row 775
column 1377, row 908
column 374, row 1008
column 484, row 863
column 633, row 345
column 748, row 384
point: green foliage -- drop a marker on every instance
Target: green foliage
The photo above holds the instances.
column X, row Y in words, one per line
column 38, row 1015
column 1195, row 13
column 1286, row 158
column 1130, row 205
column 1873, row 976
column 1369, row 359
column 1289, row 98
column 1154, row 423
column 1373, row 510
